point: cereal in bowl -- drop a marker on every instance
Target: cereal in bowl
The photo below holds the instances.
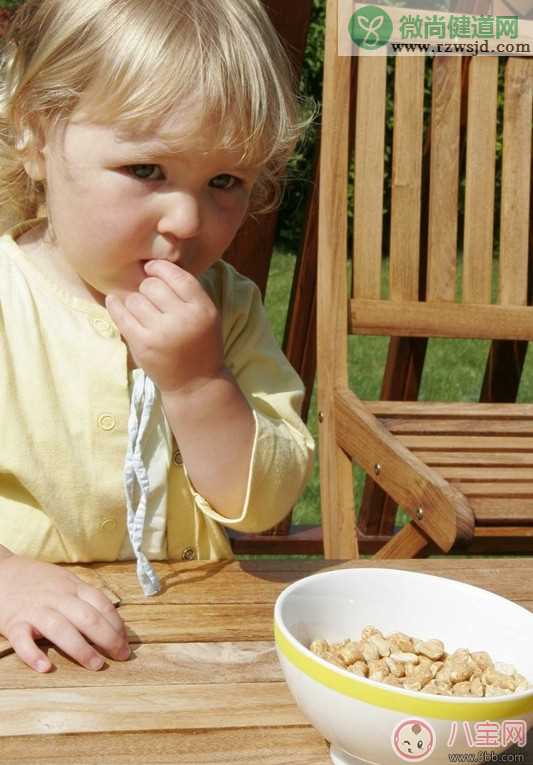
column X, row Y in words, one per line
column 421, row 665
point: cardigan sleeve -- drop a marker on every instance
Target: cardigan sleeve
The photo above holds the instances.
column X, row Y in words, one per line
column 282, row 453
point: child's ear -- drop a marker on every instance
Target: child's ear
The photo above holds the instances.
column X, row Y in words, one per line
column 35, row 167
column 34, row 163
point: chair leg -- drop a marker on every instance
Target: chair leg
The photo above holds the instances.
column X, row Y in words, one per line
column 503, row 371
column 336, row 491
column 409, row 542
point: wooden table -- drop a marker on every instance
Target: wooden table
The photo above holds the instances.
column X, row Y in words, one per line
column 203, row 684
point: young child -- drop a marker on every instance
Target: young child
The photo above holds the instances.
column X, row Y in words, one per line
column 144, row 401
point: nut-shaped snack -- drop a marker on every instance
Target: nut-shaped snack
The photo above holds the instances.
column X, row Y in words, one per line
column 482, row 659
column 421, row 665
column 359, row 668
column 406, row 658
column 401, row 642
column 368, row 631
column 320, row 647
column 433, row 649
column 369, row 651
column 462, row 689
column 497, row 679
column 351, row 652
column 396, row 668
column 381, row 644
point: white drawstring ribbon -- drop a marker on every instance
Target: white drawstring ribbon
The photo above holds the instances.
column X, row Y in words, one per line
column 142, row 403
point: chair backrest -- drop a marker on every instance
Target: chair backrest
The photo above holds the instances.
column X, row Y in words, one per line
column 472, row 313
column 422, row 297
column 424, row 300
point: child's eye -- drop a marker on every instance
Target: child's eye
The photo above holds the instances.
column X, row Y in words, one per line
column 146, row 172
column 225, row 182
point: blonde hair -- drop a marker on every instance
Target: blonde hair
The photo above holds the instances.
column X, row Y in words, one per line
column 129, row 63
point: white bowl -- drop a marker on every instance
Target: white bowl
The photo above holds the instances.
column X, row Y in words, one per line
column 367, row 721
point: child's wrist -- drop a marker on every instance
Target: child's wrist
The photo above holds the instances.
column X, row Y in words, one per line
column 188, row 391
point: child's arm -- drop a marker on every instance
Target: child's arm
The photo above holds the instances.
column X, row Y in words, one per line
column 236, row 458
column 201, row 420
column 174, row 333
column 44, row 600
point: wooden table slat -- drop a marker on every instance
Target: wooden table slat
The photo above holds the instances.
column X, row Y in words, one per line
column 140, row 707
column 156, row 664
column 239, row 746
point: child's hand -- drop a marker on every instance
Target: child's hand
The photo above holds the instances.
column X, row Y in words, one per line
column 43, row 600
column 172, row 328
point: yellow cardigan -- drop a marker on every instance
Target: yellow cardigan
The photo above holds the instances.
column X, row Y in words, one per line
column 64, row 406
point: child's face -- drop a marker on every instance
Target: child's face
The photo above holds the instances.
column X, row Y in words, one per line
column 114, row 204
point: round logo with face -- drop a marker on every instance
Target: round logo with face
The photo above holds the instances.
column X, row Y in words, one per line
column 413, row 740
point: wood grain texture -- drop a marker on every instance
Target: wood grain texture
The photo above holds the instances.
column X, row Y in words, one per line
column 198, row 622
column 381, row 317
column 140, row 707
column 479, row 182
column 406, row 187
column 444, row 178
column 493, row 444
column 516, row 181
column 407, row 543
column 336, row 491
column 483, row 459
column 460, row 427
column 451, row 410
column 237, row 746
column 157, row 664
column 368, row 181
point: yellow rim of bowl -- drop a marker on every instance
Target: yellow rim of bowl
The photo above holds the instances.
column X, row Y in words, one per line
column 389, row 699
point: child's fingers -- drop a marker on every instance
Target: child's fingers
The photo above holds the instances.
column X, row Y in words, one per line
column 56, row 628
column 90, row 623
column 22, row 639
column 127, row 323
column 143, row 310
column 159, row 293
column 185, row 285
column 102, row 604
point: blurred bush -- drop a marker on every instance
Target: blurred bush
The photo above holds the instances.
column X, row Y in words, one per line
column 300, row 168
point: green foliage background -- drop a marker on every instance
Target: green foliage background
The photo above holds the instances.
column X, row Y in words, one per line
column 300, row 171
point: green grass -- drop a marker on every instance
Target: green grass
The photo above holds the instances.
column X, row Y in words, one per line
column 453, row 371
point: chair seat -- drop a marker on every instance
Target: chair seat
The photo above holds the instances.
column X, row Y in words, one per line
column 484, row 450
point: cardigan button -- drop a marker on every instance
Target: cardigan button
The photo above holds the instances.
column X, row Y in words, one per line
column 177, row 458
column 188, row 554
column 106, row 421
column 103, row 328
column 109, row 524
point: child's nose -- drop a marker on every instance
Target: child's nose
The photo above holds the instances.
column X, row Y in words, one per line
column 181, row 216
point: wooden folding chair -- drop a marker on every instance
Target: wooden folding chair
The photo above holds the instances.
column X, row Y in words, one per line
column 463, row 472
